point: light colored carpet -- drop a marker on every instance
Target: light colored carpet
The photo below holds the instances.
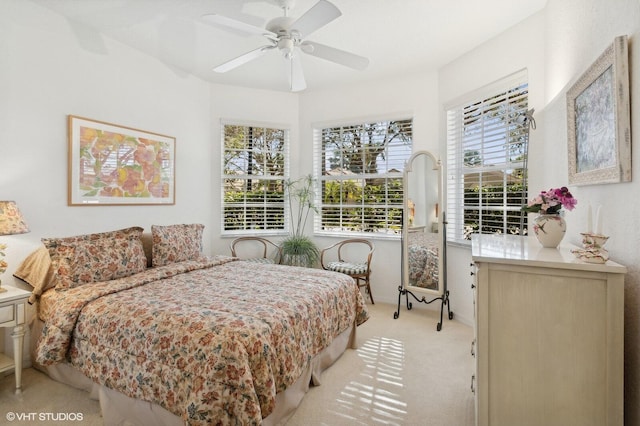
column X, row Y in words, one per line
column 404, row 372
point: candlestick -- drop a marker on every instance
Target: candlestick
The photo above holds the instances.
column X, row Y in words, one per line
column 589, row 220
column 599, row 221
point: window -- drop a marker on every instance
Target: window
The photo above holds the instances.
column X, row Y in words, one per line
column 486, row 160
column 359, row 170
column 254, row 169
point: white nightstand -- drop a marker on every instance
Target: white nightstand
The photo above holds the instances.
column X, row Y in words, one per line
column 13, row 313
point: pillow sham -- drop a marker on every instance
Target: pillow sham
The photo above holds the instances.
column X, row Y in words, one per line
column 175, row 243
column 36, row 270
column 97, row 257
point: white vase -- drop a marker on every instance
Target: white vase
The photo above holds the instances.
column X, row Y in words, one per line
column 549, row 229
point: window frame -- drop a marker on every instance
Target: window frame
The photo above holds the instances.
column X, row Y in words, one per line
column 286, row 129
column 456, row 154
column 319, row 177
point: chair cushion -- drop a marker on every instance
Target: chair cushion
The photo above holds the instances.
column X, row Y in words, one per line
column 259, row 260
column 348, row 268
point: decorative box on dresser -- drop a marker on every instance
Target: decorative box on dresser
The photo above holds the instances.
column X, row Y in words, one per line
column 548, row 343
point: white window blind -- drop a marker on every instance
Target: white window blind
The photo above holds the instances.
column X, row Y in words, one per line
column 486, row 147
column 359, row 169
column 255, row 166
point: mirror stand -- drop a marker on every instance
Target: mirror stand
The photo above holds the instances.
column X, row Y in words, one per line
column 443, row 298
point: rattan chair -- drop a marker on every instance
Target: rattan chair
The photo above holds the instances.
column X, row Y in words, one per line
column 255, row 249
column 350, row 260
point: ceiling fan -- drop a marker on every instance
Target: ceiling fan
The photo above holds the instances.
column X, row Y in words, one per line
column 288, row 35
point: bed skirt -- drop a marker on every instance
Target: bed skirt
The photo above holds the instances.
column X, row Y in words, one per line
column 121, row 410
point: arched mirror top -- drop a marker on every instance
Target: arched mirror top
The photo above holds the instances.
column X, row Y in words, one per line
column 422, row 239
column 418, row 158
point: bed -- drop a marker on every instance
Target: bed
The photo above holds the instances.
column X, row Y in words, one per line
column 188, row 339
column 423, row 259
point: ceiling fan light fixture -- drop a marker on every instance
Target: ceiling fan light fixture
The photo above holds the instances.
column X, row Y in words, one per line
column 286, row 45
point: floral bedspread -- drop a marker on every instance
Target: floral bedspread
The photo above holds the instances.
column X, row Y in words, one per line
column 212, row 341
column 423, row 259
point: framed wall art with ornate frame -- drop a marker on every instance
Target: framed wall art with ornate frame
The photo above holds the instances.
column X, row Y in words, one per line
column 598, row 120
column 116, row 165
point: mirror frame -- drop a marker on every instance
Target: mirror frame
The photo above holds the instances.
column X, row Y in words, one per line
column 437, row 165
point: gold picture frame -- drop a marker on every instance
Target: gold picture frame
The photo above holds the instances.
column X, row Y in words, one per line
column 598, row 120
column 111, row 164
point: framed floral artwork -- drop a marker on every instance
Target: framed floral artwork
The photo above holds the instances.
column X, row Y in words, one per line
column 116, row 165
column 598, row 120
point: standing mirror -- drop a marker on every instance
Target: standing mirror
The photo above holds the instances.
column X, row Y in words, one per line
column 424, row 257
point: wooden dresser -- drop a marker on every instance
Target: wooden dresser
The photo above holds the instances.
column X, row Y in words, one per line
column 549, row 335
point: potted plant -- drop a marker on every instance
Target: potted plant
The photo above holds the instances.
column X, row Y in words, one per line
column 298, row 249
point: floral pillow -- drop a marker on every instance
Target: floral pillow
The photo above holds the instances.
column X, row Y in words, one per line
column 96, row 257
column 175, row 243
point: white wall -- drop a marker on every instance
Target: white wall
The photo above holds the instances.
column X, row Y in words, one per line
column 45, row 76
column 577, row 32
column 520, row 47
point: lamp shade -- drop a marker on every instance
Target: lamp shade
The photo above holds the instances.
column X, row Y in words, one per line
column 11, row 220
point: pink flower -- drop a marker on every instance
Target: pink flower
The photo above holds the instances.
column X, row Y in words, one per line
column 565, row 198
column 551, row 201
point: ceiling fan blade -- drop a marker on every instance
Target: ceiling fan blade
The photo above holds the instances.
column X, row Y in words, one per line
column 296, row 74
column 317, row 17
column 234, row 24
column 243, row 59
column 332, row 54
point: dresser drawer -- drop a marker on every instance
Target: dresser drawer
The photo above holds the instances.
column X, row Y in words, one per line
column 7, row 314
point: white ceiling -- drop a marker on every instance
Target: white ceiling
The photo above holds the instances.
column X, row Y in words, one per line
column 400, row 37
